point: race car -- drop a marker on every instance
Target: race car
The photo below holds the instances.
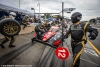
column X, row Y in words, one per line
column 50, row 38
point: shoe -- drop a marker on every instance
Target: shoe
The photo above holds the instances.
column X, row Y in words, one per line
column 11, row 45
column 2, row 46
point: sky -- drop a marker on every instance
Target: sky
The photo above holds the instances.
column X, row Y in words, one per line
column 89, row 8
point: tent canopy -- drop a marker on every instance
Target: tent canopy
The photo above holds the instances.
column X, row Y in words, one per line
column 5, row 5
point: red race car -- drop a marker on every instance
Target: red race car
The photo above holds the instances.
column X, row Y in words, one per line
column 53, row 39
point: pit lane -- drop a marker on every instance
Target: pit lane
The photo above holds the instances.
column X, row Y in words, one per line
column 41, row 55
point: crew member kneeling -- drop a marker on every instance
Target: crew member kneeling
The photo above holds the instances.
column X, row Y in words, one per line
column 39, row 29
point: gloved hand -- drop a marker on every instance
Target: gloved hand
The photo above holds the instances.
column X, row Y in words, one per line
column 65, row 36
column 43, row 31
column 92, row 36
column 96, row 33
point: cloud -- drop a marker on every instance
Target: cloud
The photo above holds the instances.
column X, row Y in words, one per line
column 88, row 8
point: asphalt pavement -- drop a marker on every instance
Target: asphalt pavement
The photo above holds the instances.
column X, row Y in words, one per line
column 40, row 55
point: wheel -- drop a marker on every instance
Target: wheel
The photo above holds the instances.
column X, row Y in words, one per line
column 9, row 27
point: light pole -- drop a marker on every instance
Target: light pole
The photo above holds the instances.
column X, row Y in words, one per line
column 33, row 9
column 62, row 22
column 39, row 9
column 34, row 12
column 19, row 3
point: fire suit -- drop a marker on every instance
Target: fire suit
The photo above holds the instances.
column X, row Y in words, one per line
column 78, row 39
column 7, row 38
column 39, row 29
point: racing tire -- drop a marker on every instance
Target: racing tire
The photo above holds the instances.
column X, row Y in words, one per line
column 9, row 27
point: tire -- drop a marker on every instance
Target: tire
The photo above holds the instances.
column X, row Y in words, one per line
column 9, row 27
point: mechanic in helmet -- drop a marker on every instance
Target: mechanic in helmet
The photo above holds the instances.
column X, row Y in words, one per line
column 46, row 25
column 7, row 38
column 78, row 32
column 25, row 20
column 12, row 15
column 39, row 29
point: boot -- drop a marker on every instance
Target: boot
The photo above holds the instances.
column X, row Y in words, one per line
column 2, row 46
column 11, row 46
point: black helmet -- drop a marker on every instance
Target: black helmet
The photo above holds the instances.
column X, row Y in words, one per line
column 75, row 17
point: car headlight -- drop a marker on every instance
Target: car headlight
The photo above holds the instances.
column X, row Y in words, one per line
column 56, row 37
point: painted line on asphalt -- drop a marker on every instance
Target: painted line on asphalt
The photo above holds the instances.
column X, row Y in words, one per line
column 92, row 45
column 87, row 61
column 91, row 52
column 96, row 27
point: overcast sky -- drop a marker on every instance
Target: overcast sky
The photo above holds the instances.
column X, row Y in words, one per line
column 88, row 8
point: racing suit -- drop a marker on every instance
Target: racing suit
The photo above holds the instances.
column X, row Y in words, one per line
column 12, row 38
column 78, row 39
column 39, row 29
column 24, row 21
column 7, row 38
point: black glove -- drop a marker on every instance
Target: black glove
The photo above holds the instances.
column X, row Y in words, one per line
column 43, row 31
column 96, row 32
column 92, row 36
column 65, row 36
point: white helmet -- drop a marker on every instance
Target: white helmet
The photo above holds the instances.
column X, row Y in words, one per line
column 12, row 13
